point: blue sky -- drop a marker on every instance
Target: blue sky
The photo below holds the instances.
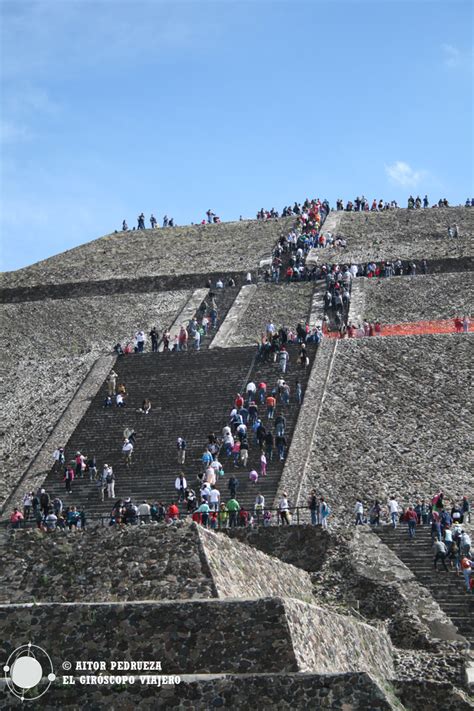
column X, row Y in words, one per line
column 111, row 108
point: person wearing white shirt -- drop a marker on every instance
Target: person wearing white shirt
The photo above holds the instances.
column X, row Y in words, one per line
column 144, row 512
column 359, row 512
column 127, row 450
column 214, row 499
column 140, row 340
column 180, row 484
column 216, row 465
column 284, row 510
column 393, row 510
column 251, row 390
column 209, row 476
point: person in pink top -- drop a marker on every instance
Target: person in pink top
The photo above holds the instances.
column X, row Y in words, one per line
column 16, row 518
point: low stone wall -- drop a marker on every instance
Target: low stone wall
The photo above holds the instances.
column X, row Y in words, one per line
column 202, row 636
column 333, row 692
column 395, row 420
column 403, row 234
column 420, row 298
column 284, row 304
column 153, row 562
column 142, row 253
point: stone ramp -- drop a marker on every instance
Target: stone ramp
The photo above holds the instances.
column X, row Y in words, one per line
column 331, row 692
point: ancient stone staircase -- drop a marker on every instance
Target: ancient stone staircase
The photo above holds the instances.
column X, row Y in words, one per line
column 447, row 588
column 192, row 394
column 224, row 299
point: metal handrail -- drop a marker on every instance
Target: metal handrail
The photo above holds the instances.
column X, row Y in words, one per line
column 258, row 517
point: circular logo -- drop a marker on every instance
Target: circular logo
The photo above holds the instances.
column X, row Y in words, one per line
column 29, row 672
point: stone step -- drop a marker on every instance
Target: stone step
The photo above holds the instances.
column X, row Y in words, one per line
column 182, row 405
column 446, row 587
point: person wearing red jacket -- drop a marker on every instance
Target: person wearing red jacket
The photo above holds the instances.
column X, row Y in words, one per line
column 412, row 519
column 173, row 512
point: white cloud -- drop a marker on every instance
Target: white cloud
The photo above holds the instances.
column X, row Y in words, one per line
column 403, row 174
column 455, row 58
column 452, row 55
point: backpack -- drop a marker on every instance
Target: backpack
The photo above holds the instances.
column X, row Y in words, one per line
column 109, row 478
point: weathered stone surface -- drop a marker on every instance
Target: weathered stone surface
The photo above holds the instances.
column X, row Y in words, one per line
column 403, row 234
column 179, row 250
column 362, row 574
column 353, row 571
column 418, row 695
column 51, row 348
column 153, row 562
column 59, row 432
column 204, row 636
column 419, row 298
column 284, row 304
column 303, row 546
column 396, row 419
column 241, row 571
column 333, row 692
column 295, row 480
column 74, row 327
column 149, row 562
column 229, row 329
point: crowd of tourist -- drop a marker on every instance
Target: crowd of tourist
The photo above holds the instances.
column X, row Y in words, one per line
column 47, row 513
column 446, row 521
column 359, row 204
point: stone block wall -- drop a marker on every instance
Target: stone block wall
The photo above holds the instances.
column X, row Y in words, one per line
column 305, row 547
column 325, row 642
column 191, row 249
column 149, row 562
column 332, row 692
column 242, row 571
column 395, row 420
column 284, row 304
column 202, row 636
column 403, row 234
column 418, row 298
column 51, row 347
